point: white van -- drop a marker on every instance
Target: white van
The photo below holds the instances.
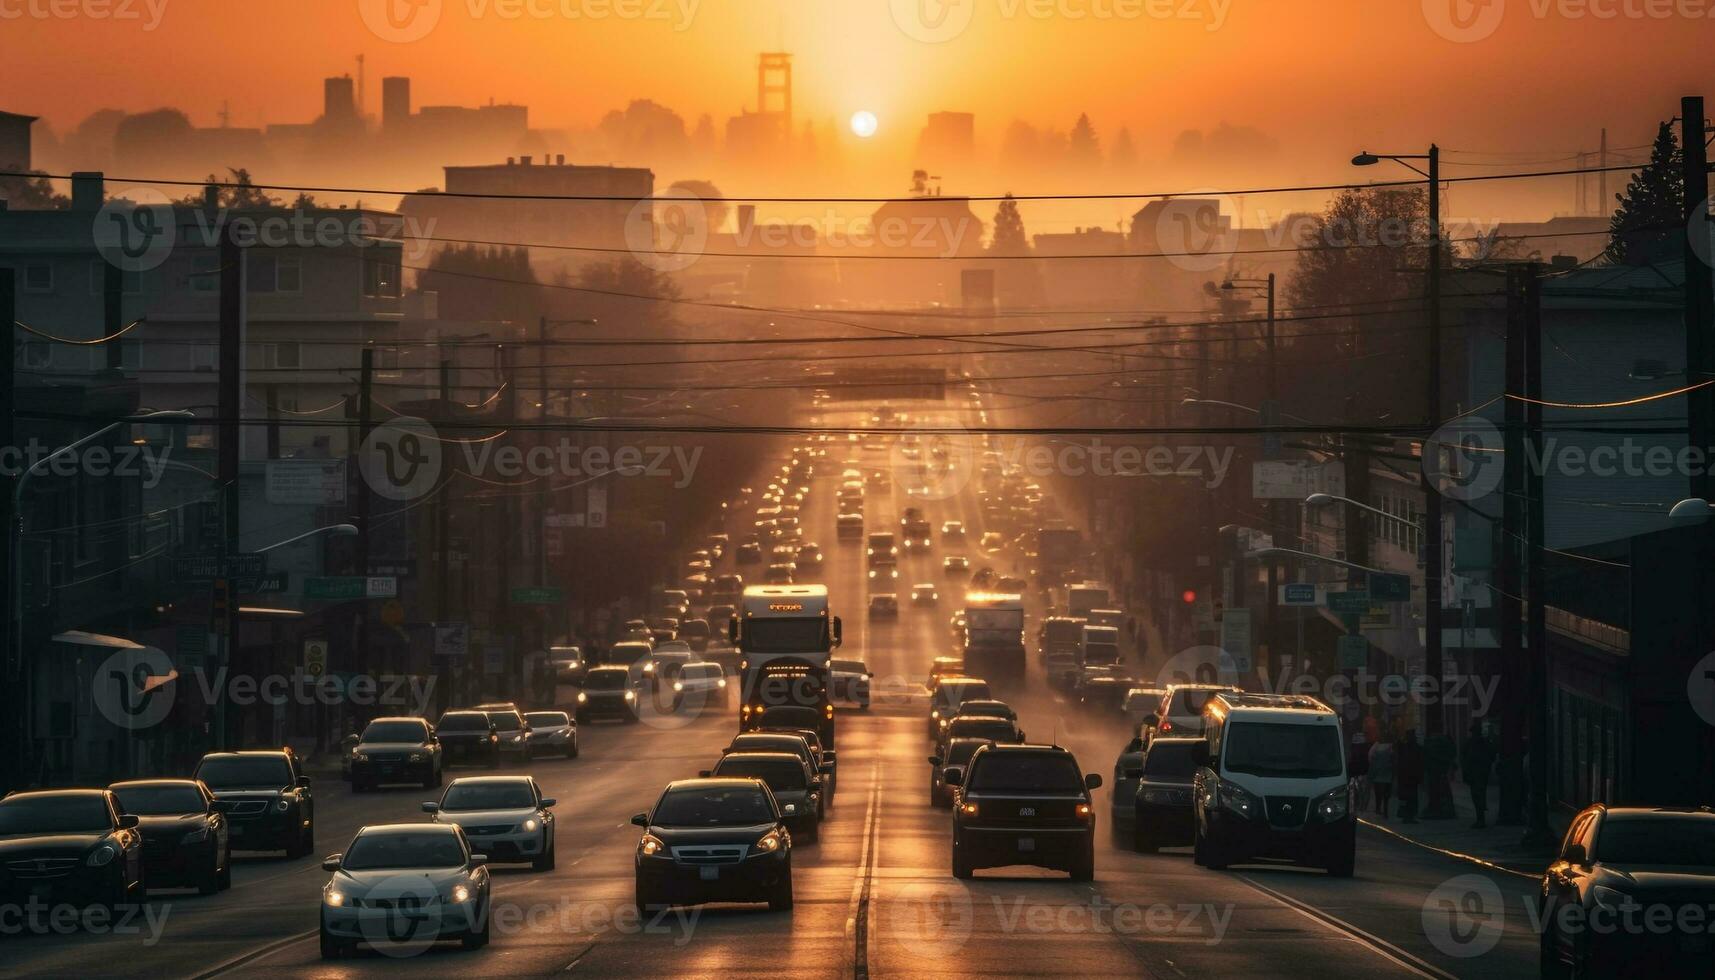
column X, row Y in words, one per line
column 1271, row 782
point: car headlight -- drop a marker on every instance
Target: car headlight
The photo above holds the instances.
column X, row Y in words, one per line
column 516, row 738
column 1335, row 804
column 769, row 843
column 460, row 893
column 649, row 668
column 102, row 856
column 968, row 808
column 531, row 825
column 789, row 808
column 651, row 845
column 283, row 805
column 195, row 836
column 721, row 682
column 935, row 714
column 333, row 896
column 1610, row 899
column 630, row 695
column 678, row 687
column 582, row 697
column 1084, row 810
column 1237, row 799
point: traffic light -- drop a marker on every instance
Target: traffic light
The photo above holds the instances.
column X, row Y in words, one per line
column 1189, row 596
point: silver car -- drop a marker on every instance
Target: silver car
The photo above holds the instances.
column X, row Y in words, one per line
column 552, row 733
column 505, row 817
column 402, row 887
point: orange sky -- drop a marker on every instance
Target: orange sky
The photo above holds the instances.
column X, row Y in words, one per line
column 1323, row 77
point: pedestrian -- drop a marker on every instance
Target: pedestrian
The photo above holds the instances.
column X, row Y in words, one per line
column 1408, row 774
column 1381, row 774
column 1357, row 770
column 1476, row 761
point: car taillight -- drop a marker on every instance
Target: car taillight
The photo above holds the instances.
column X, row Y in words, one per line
column 1167, row 726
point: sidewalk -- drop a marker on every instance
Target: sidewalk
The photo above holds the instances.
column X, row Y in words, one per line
column 1494, row 844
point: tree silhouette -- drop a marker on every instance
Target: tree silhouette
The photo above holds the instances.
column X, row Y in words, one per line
column 1086, row 149
column 1009, row 238
column 1650, row 220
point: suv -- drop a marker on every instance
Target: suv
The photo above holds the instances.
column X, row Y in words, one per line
column 267, row 799
column 1181, row 711
column 1023, row 804
column 396, row 750
column 1271, row 782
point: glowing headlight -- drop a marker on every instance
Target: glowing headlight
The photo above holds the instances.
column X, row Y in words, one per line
column 1083, row 809
column 678, row 687
column 721, row 682
column 531, row 824
column 651, row 845
column 770, row 842
column 582, row 697
column 460, row 893
column 649, row 668
column 1335, row 804
column 968, row 808
column 195, row 836
column 789, row 808
column 103, row 856
column 333, row 896
column 630, row 695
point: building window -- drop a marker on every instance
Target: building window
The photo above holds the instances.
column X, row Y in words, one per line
column 274, row 274
column 37, row 355
column 38, row 278
column 289, row 275
column 381, row 275
column 286, row 355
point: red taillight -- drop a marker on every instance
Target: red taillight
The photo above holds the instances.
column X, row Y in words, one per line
column 1166, row 726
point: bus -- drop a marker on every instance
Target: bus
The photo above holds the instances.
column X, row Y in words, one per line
column 994, row 637
column 785, row 636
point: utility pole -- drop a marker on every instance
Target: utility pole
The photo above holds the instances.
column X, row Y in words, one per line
column 113, row 312
column 365, row 421
column 231, row 407
column 443, row 551
column 15, row 700
column 1699, row 301
column 1536, row 830
column 1515, row 670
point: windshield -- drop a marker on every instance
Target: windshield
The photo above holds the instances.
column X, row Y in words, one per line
column 798, row 635
column 781, row 775
column 268, row 771
column 770, row 743
column 1101, row 653
column 998, row 729
column 80, row 814
column 1027, row 773
column 147, row 800
column 695, row 627
column 700, row 671
column 948, row 695
column 1269, row 749
column 547, row 719
column 605, row 680
column 713, row 808
column 380, row 852
column 1189, row 704
column 627, row 653
column 395, row 731
column 1065, row 632
column 1170, row 760
column 464, row 722
column 506, row 721
column 961, row 749
column 1657, row 840
column 488, row 796
column 849, row 666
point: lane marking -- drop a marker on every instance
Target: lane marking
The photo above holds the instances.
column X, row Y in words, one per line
column 1381, row 947
column 1444, row 852
column 857, row 922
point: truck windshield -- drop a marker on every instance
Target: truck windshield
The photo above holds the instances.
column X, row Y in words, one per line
column 801, row 635
column 1101, row 653
column 1297, row 751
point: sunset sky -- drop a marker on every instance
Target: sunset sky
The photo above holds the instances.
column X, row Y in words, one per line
column 1321, row 77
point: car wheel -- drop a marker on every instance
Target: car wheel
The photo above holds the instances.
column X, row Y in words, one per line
column 1141, row 842
column 226, row 869
column 781, row 900
column 572, row 749
column 209, row 882
column 332, row 949
column 1084, row 869
column 545, row 861
column 961, row 867
column 478, row 938
column 644, row 899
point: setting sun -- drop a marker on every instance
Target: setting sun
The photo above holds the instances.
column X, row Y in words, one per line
column 863, row 124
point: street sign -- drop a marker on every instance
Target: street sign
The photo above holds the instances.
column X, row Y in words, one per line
column 452, row 641
column 315, row 657
column 1236, row 637
column 340, row 587
column 1354, row 601
column 1354, row 652
column 271, row 582
column 1298, row 594
column 311, row 482
column 538, row 596
column 381, row 586
column 1390, row 588
column 207, row 568
column 1203, row 614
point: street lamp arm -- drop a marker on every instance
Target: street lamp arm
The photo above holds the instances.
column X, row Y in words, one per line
column 335, row 530
column 1323, row 499
column 30, row 471
column 1312, row 556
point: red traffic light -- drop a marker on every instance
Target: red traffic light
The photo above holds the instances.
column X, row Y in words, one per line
column 1189, row 596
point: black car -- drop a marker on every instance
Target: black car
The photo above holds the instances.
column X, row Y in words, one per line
column 469, row 736
column 958, row 753
column 186, row 840
column 714, row 840
column 512, row 735
column 396, row 750
column 69, row 847
column 793, row 717
column 608, row 692
column 1024, row 804
column 1631, row 889
column 795, row 786
column 1162, row 811
column 992, row 728
column 267, row 796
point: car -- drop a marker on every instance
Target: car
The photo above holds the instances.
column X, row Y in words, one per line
column 883, row 572
column 954, row 755
column 849, row 680
column 1271, row 783
column 796, row 787
column 991, row 541
column 799, row 742
column 823, row 757
column 634, row 655
column 695, row 633
column 955, row 566
column 749, row 553
column 714, row 840
column 1101, row 693
column 1618, row 872
column 186, row 841
column 1161, row 796
column 269, row 805
column 470, row 736
column 1061, row 668
column 506, row 817
column 666, row 662
column 983, row 579
column 700, row 683
column 952, row 531
column 512, row 735
column 391, row 867
column 988, row 707
column 609, row 692
column 1024, row 804
column 69, row 847
column 552, row 733
column 719, row 615
column 1184, row 704
column 1140, row 701
column 780, row 573
column 948, row 694
column 925, row 594
column 883, row 605
column 810, row 556
column 396, row 750
column 942, row 667
column 567, row 663
column 994, row 728
column 1011, row 584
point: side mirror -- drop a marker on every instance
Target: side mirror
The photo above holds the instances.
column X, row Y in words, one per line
column 934, row 760
column 732, row 630
column 1093, row 781
column 838, row 633
column 331, row 862
column 1575, row 854
column 640, row 820
column 703, row 773
column 478, row 860
column 1134, row 772
column 303, row 782
column 830, row 755
column 548, row 803
column 953, row 776
column 1151, row 720
column 128, row 821
column 431, row 808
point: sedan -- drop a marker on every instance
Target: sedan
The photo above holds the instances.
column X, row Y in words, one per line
column 749, row 553
column 1161, row 804
column 396, row 750
column 883, row 605
column 552, row 733
column 714, row 840
column 796, row 788
column 186, row 841
column 925, row 594
column 955, row 566
column 399, row 887
column 70, row 847
column 505, row 816
column 952, row 530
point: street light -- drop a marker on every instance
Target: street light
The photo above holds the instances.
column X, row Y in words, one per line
column 332, row 531
column 1691, row 510
column 1312, row 556
column 1324, row 499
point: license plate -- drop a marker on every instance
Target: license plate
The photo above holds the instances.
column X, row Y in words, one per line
column 710, row 874
column 1027, row 844
column 1027, row 811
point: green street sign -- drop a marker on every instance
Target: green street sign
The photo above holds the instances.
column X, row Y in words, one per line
column 1349, row 601
column 335, row 587
column 537, row 595
column 1390, row 588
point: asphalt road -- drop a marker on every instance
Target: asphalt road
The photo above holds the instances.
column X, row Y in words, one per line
column 875, row 896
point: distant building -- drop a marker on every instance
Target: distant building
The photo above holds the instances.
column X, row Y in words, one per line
column 395, row 104
column 1096, row 284
column 948, row 141
column 15, row 141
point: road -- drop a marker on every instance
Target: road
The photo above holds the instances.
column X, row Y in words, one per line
column 875, row 897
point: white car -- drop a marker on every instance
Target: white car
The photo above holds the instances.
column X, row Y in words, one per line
column 700, row 683
column 925, row 594
column 552, row 733
column 668, row 660
column 436, row 868
column 505, row 817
